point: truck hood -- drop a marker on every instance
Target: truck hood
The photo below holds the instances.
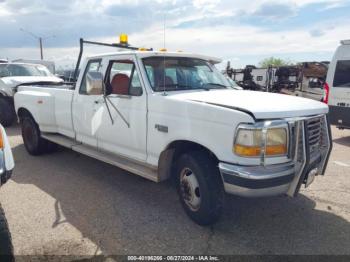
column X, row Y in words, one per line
column 13, row 81
column 261, row 105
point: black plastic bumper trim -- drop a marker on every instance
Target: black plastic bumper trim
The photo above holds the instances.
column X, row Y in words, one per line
column 257, row 183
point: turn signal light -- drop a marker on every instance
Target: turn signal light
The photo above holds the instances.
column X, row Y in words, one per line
column 249, row 151
column 254, row 151
column 276, row 150
column 1, row 140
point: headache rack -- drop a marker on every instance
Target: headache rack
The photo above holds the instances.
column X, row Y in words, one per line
column 123, row 44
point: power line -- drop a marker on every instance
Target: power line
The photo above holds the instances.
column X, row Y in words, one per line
column 40, row 38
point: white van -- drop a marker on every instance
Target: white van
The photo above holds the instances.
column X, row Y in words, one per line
column 337, row 87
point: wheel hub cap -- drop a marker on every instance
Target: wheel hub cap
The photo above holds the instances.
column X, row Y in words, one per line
column 190, row 189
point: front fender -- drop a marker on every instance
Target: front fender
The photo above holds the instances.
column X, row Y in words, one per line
column 210, row 126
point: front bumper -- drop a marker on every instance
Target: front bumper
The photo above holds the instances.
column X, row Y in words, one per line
column 287, row 178
column 257, row 181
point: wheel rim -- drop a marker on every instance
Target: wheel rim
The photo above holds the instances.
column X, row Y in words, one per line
column 189, row 187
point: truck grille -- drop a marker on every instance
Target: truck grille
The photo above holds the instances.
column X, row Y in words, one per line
column 314, row 131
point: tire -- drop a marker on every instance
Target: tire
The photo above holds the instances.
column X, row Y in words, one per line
column 200, row 187
column 7, row 112
column 33, row 142
column 6, row 248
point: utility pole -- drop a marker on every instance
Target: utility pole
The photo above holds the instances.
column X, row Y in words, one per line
column 40, row 38
column 41, row 48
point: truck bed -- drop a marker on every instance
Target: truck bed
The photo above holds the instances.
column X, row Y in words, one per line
column 51, row 105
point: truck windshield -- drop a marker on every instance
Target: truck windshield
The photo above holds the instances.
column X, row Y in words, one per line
column 7, row 70
column 182, row 73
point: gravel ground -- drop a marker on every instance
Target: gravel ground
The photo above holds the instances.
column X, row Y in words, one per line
column 67, row 203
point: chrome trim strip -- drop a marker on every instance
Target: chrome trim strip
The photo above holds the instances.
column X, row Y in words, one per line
column 263, row 146
column 257, row 172
column 294, row 183
column 329, row 147
column 302, row 118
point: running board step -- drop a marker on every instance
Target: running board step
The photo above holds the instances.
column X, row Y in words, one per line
column 141, row 169
column 60, row 139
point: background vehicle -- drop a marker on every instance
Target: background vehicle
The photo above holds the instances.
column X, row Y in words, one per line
column 337, row 87
column 6, row 167
column 48, row 64
column 305, row 79
column 67, row 75
column 171, row 114
column 14, row 74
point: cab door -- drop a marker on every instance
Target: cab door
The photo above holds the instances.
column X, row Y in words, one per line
column 86, row 116
column 123, row 127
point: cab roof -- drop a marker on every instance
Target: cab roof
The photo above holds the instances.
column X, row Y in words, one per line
column 142, row 54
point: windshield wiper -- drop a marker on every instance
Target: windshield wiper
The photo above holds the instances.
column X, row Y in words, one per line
column 213, row 84
column 173, row 87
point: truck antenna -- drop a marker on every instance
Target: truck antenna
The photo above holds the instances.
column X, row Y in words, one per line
column 164, row 26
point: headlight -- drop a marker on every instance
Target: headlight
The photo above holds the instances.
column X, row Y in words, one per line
column 250, row 141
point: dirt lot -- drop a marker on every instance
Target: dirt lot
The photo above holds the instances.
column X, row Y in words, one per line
column 66, row 203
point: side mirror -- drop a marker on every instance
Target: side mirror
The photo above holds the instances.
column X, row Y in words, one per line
column 94, row 83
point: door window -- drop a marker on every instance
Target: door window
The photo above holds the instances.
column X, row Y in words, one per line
column 123, row 79
column 92, row 66
column 342, row 74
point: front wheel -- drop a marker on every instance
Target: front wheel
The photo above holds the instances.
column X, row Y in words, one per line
column 200, row 187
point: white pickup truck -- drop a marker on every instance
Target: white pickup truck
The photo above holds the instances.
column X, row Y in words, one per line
column 172, row 114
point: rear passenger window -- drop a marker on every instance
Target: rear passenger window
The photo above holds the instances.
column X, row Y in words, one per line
column 92, row 66
column 342, row 74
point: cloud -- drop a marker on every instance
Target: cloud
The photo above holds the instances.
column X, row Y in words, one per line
column 316, row 33
column 276, row 10
column 214, row 27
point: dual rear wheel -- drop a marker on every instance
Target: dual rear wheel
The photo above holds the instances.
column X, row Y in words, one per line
column 33, row 142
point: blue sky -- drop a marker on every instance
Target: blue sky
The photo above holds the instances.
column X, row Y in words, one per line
column 243, row 32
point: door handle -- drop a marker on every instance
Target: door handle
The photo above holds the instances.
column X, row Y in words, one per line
column 99, row 101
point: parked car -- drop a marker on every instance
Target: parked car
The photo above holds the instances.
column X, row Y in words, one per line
column 6, row 166
column 171, row 114
column 50, row 65
column 67, row 75
column 14, row 74
column 337, row 87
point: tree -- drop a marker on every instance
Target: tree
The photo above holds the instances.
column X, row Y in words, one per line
column 272, row 61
